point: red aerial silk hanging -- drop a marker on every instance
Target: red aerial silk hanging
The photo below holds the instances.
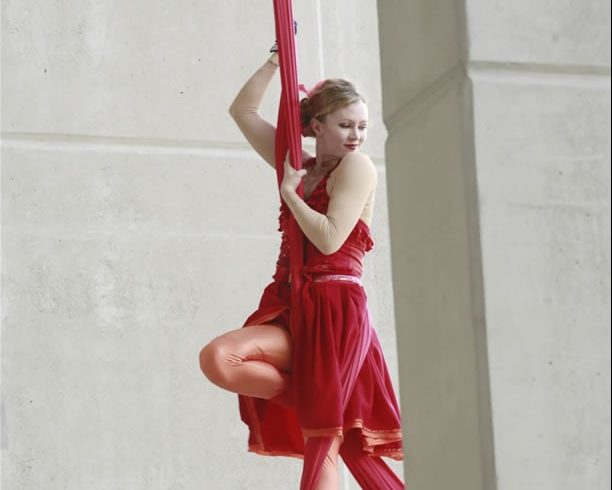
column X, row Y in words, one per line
column 289, row 138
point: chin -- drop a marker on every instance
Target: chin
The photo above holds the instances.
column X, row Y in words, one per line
column 347, row 151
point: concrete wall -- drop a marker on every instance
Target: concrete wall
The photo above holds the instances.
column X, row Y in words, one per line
column 498, row 165
column 137, row 225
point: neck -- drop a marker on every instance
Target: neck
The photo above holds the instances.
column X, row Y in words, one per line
column 325, row 163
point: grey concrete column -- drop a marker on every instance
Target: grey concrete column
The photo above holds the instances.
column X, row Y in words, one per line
column 498, row 170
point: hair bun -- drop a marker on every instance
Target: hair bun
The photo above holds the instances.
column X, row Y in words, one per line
column 306, row 116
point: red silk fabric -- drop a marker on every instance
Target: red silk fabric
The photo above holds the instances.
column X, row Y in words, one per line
column 289, row 132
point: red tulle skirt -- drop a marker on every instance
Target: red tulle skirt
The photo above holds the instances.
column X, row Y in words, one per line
column 339, row 379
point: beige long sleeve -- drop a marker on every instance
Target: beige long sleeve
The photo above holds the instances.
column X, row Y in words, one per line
column 245, row 111
column 355, row 182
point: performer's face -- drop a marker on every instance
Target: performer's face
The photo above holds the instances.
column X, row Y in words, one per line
column 343, row 131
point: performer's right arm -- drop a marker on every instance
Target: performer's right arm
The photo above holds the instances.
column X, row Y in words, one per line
column 245, row 111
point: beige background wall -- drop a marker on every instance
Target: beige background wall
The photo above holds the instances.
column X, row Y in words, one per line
column 498, row 163
column 137, row 225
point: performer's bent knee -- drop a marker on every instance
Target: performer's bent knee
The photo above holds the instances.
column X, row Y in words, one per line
column 211, row 358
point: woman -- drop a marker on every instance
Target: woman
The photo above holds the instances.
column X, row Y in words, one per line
column 322, row 388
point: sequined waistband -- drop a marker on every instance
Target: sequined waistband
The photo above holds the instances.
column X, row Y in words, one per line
column 337, row 277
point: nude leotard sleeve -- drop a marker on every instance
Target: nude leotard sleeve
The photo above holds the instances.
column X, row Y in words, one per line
column 245, row 111
column 353, row 190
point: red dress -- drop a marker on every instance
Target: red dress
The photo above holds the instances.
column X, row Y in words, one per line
column 339, row 379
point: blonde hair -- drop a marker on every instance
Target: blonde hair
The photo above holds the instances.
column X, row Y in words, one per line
column 326, row 97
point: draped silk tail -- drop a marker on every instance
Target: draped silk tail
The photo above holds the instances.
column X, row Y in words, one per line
column 314, row 455
column 371, row 472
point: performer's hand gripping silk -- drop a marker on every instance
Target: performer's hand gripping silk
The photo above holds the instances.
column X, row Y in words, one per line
column 322, row 388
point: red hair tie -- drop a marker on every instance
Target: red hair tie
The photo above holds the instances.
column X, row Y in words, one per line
column 301, row 88
column 314, row 87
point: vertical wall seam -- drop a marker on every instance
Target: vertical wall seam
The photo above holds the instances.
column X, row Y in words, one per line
column 481, row 351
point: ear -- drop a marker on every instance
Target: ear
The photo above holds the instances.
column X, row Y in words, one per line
column 315, row 125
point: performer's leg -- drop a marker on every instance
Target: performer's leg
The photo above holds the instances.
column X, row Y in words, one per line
column 251, row 361
column 320, row 471
column 371, row 472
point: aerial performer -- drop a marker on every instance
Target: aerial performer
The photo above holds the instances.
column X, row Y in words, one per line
column 307, row 365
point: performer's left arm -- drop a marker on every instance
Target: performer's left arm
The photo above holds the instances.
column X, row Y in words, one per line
column 355, row 181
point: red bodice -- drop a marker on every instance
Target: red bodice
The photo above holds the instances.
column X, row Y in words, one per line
column 347, row 260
